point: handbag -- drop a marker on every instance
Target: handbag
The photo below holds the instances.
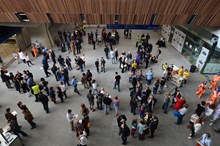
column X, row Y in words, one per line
column 88, row 125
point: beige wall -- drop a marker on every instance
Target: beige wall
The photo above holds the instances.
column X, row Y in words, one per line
column 41, row 34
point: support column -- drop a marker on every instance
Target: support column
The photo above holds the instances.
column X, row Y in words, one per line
column 42, row 35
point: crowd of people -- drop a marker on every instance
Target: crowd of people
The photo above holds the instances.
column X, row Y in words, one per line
column 142, row 100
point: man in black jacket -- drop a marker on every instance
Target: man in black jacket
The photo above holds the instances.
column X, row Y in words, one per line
column 16, row 129
column 107, row 101
column 44, row 100
column 6, row 79
column 120, row 120
column 153, row 126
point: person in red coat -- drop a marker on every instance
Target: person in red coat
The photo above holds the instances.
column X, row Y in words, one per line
column 180, row 101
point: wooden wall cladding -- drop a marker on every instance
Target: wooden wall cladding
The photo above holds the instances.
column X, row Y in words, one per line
column 103, row 11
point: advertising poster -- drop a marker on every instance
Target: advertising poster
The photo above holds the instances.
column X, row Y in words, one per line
column 202, row 58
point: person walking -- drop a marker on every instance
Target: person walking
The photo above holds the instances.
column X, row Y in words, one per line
column 16, row 129
column 156, row 86
column 91, row 98
column 45, row 66
column 117, row 81
column 27, row 58
column 94, row 87
column 125, row 132
column 60, row 94
column 29, row 118
column 97, row 65
column 103, row 64
column 166, row 102
column 63, row 88
column 116, row 103
column 44, row 100
column 74, row 83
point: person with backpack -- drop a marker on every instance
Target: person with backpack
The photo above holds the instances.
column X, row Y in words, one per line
column 125, row 132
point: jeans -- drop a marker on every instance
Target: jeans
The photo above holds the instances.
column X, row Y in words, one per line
column 149, row 81
column 106, row 108
column 179, row 119
column 165, row 107
column 113, row 60
column 76, row 90
column 117, row 84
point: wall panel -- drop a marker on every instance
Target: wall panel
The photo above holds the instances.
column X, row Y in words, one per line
column 103, row 11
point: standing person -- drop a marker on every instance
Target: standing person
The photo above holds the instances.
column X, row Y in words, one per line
column 80, row 63
column 70, row 118
column 116, row 103
column 44, row 85
column 89, row 77
column 45, row 66
column 97, row 65
column 180, row 71
column 197, row 127
column 61, row 61
column 162, row 84
column 194, row 117
column 204, row 140
column 107, row 101
column 36, row 91
column 60, row 94
column 181, row 114
column 91, row 98
column 112, row 55
column 141, row 127
column 153, row 126
column 68, row 63
column 83, row 57
column 21, row 56
column 106, row 50
column 166, row 103
column 116, row 54
column 29, row 117
column 52, row 95
column 94, row 87
column 93, row 43
column 156, row 86
column 24, row 88
column 102, row 64
column 125, row 132
column 74, row 84
column 149, row 76
column 53, row 56
column 180, row 101
column 133, row 105
column 54, row 70
column 117, row 81
column 84, row 81
column 120, row 120
column 16, row 129
column 6, row 79
column 185, row 76
column 44, row 100
column 63, row 88
column 133, row 127
column 68, row 46
column 27, row 58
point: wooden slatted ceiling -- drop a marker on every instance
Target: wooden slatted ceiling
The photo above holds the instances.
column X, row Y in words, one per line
column 103, row 11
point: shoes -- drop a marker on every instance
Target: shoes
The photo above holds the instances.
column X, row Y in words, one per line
column 124, row 143
column 189, row 137
column 211, row 124
column 33, row 127
column 211, row 120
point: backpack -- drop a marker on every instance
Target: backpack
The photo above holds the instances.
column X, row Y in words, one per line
column 127, row 131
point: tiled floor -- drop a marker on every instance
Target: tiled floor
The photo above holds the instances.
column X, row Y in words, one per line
column 53, row 129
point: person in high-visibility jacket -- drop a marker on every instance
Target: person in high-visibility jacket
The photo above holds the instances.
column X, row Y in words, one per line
column 201, row 89
column 180, row 71
column 36, row 91
column 215, row 80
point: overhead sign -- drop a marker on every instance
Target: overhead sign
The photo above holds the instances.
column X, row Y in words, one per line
column 140, row 27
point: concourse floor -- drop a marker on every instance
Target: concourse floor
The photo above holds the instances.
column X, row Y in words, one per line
column 53, row 128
